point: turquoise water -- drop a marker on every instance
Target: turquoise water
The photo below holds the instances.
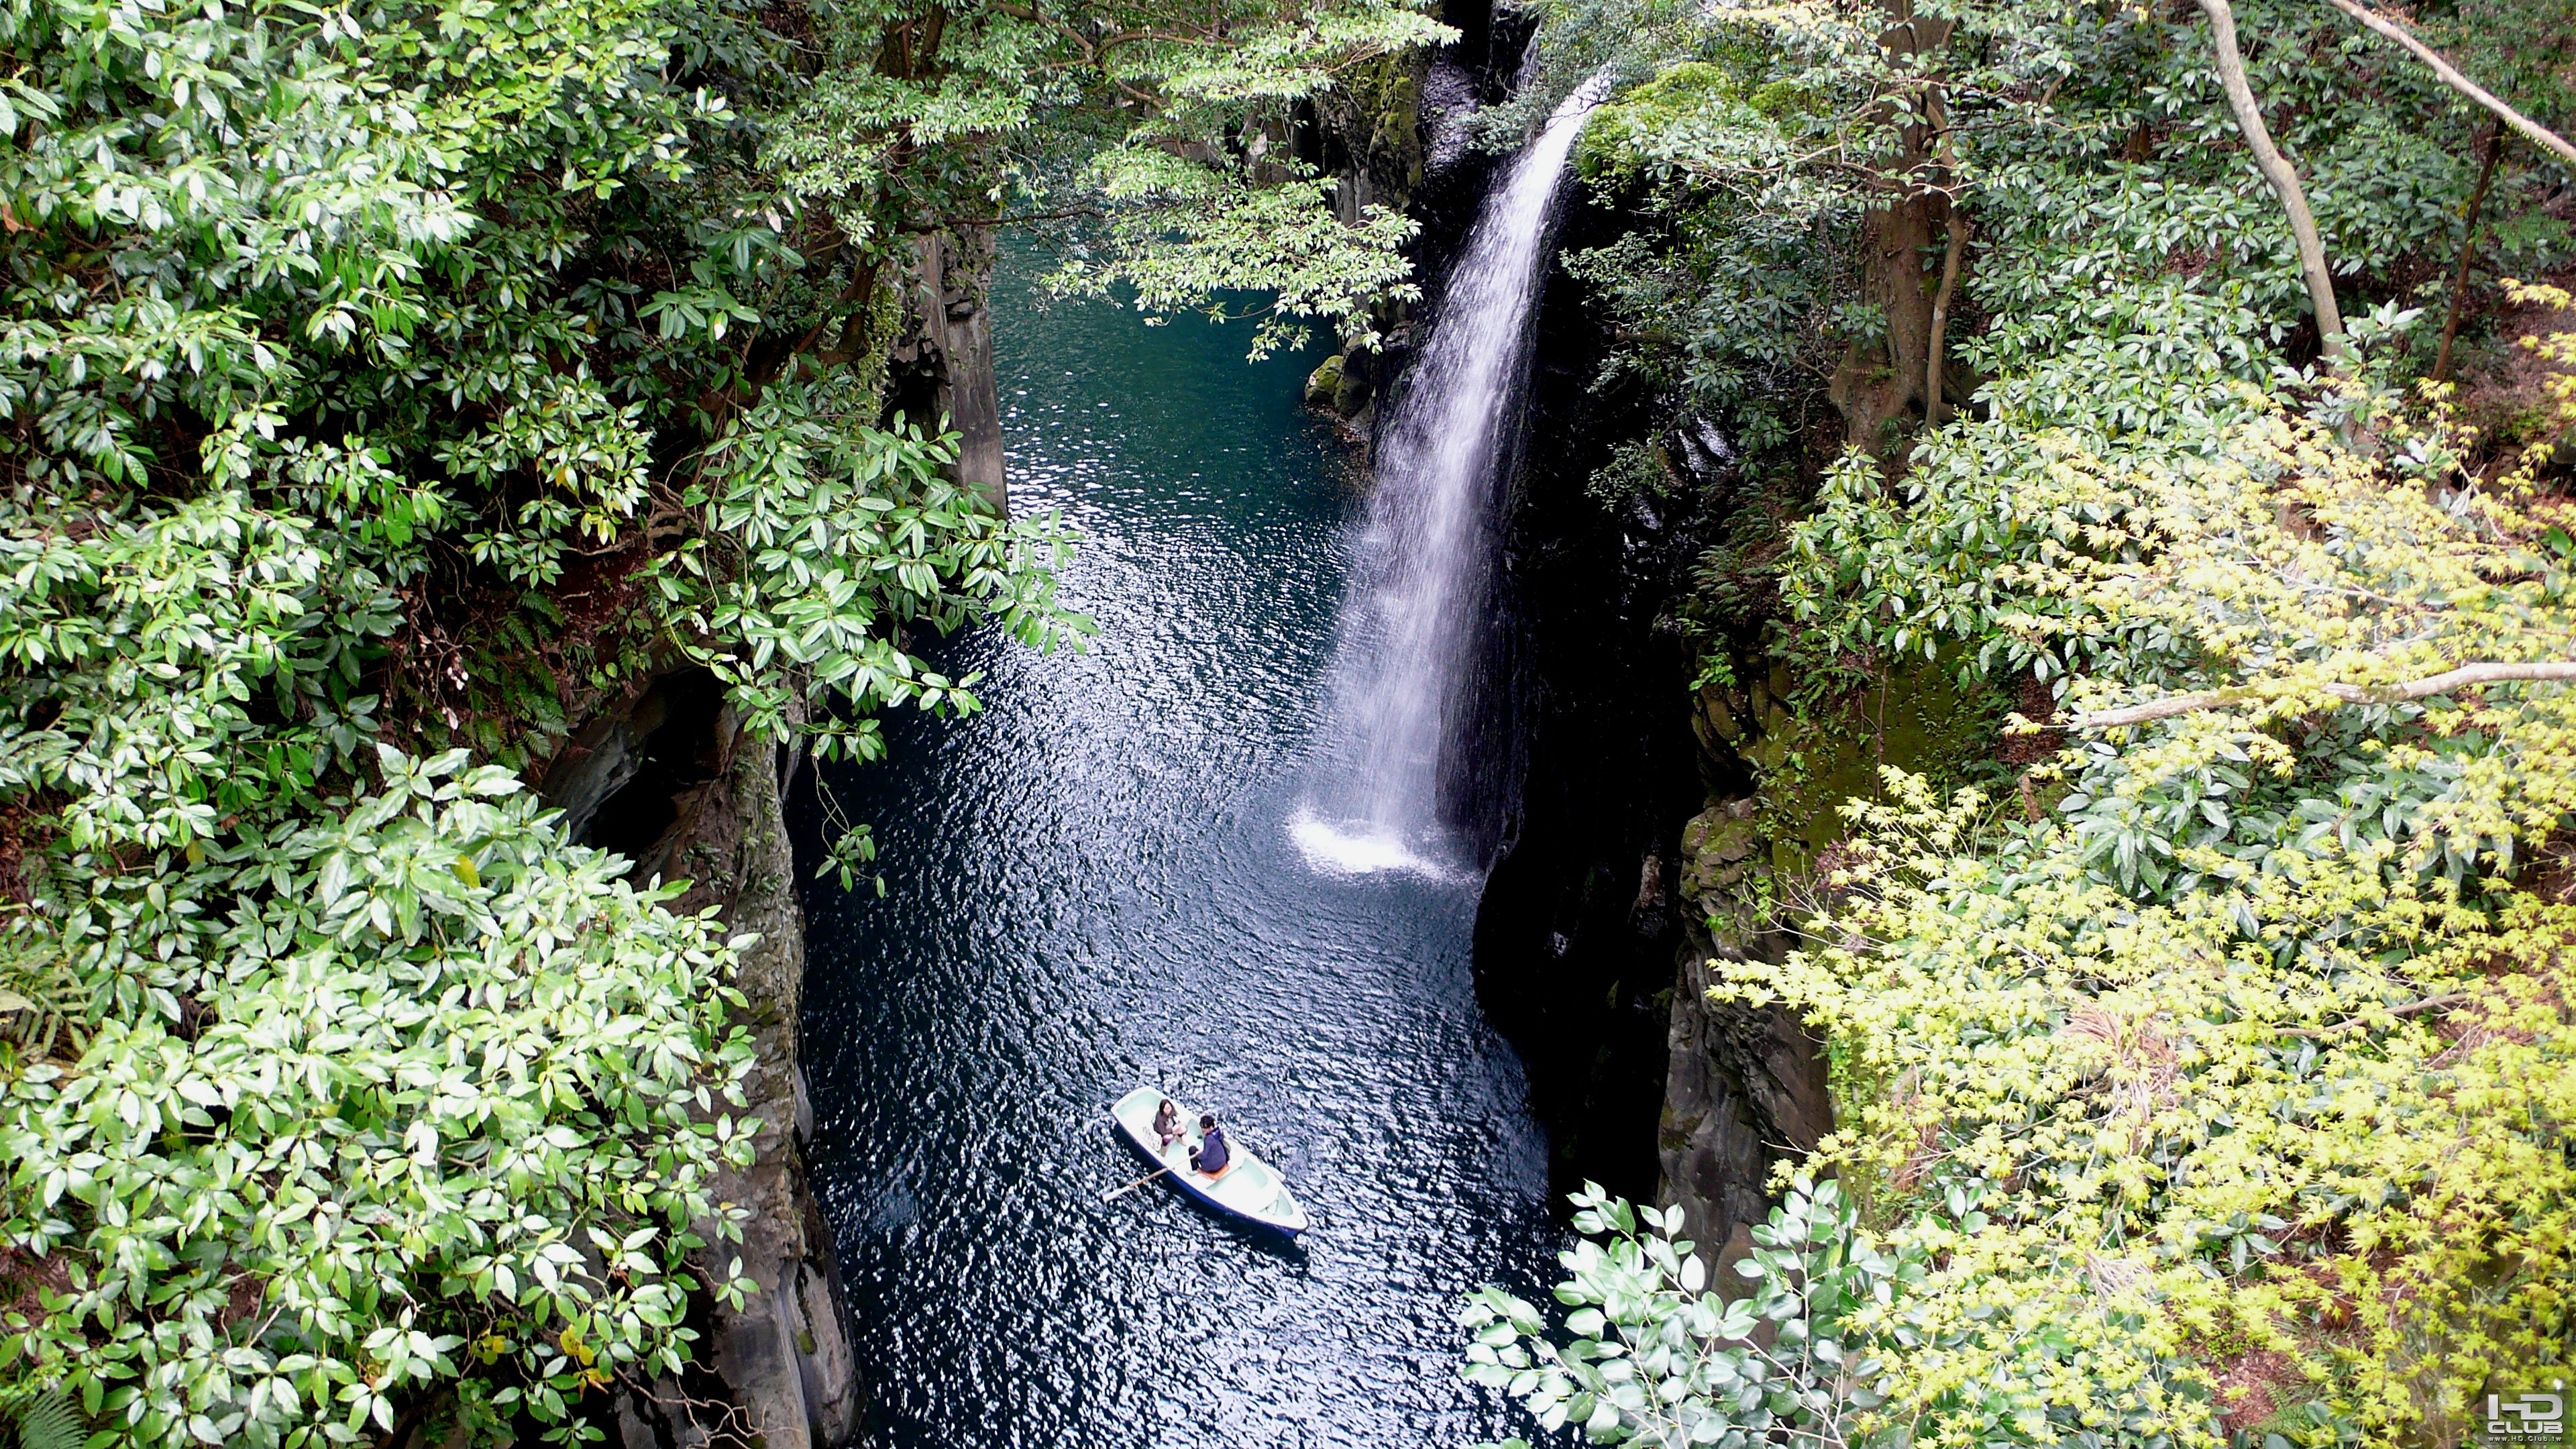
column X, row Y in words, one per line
column 1091, row 885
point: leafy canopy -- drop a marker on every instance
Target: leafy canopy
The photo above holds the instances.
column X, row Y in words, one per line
column 383, row 389
column 2237, row 1047
column 1153, row 141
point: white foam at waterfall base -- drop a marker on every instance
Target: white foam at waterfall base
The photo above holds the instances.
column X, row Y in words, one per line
column 1347, row 850
column 1416, row 624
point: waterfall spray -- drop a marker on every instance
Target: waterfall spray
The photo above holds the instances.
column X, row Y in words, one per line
column 1403, row 700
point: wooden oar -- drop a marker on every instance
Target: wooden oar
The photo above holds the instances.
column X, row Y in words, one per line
column 1131, row 1187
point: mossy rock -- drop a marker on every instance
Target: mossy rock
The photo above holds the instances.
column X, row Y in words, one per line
column 1324, row 384
column 1721, row 847
column 1920, row 721
column 1726, row 873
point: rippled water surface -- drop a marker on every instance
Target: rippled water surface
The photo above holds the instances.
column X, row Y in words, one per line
column 1092, row 885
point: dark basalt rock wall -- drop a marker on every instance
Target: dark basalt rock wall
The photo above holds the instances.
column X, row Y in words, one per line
column 1742, row 1085
column 1576, row 936
column 666, row 777
column 1632, row 858
column 1413, row 153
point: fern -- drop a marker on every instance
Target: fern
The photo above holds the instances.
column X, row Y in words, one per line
column 50, row 1422
column 41, row 1003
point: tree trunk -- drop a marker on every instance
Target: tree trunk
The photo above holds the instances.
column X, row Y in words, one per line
column 1876, row 387
column 1957, row 229
column 2277, row 170
column 1960, row 227
column 2468, row 251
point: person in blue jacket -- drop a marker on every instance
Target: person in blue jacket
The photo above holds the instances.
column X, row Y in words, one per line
column 1210, row 1157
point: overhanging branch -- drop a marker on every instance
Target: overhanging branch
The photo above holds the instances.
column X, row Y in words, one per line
column 2450, row 74
column 2461, row 678
column 2429, row 1003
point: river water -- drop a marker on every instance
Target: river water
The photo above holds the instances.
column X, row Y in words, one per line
column 1092, row 884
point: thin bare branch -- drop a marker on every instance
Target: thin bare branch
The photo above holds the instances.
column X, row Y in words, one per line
column 2539, row 134
column 2463, row 677
column 1959, row 230
column 2429, row 1003
column 2277, row 170
column 2494, row 146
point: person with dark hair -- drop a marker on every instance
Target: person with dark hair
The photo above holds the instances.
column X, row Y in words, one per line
column 1167, row 1123
column 1210, row 1158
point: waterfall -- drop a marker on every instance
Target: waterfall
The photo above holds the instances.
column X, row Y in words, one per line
column 1404, row 696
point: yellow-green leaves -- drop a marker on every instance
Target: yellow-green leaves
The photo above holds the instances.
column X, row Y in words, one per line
column 2236, row 1036
column 2263, row 1032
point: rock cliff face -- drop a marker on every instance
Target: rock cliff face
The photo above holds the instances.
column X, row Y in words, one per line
column 1577, row 933
column 667, row 777
column 1397, row 136
column 1741, row 1085
column 1744, row 1086
column 1635, row 860
column 1633, row 857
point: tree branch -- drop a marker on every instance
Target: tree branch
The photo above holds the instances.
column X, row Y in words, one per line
column 1960, row 228
column 2429, row 1003
column 2277, row 170
column 1020, row 220
column 2451, row 77
column 1956, row 243
column 2461, row 678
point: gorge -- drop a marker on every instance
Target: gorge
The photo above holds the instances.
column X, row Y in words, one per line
column 1091, row 885
column 1887, row 760
column 1113, row 876
column 1303, row 644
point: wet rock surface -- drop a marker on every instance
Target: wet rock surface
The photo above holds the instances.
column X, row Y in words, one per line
column 1579, row 926
column 667, row 778
column 1635, row 858
column 1743, row 1084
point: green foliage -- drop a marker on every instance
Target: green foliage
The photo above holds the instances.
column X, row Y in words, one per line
column 1815, row 751
column 1661, row 1357
column 2257, row 1043
column 1183, row 234
column 2238, row 1044
column 180, row 665
column 2269, row 1018
column 2119, row 228
column 49, row 1422
column 379, row 391
column 2128, row 267
column 825, row 541
column 1723, row 293
column 1149, row 137
column 371, row 1094
column 415, row 375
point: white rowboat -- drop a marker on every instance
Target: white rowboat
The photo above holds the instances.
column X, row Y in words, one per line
column 1247, row 1189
